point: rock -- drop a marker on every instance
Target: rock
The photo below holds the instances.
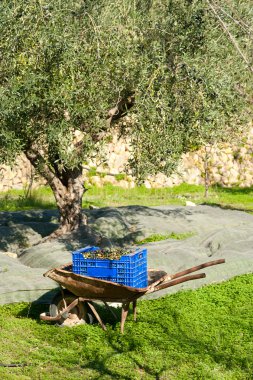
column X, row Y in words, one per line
column 110, row 179
column 155, row 185
column 193, row 176
column 78, row 136
column 160, row 179
column 228, row 150
column 96, row 180
column 233, row 177
column 114, row 170
column 131, row 184
column 123, row 183
column 119, row 148
column 147, row 184
column 216, row 178
column 112, row 159
column 19, row 186
column 92, row 207
column 191, row 204
column 169, row 182
column 243, row 151
column 248, row 178
column 9, row 254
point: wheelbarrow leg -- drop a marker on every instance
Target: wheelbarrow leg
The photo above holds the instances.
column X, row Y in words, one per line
column 124, row 312
column 63, row 298
column 135, row 310
column 96, row 315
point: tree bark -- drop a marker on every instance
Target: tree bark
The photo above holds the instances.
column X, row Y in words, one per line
column 206, row 170
column 68, row 190
column 69, row 201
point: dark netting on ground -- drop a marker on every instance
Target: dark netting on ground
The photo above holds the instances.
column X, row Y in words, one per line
column 217, row 233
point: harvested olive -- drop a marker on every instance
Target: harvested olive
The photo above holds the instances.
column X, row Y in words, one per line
column 107, row 253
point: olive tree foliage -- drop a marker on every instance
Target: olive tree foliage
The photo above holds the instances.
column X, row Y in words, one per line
column 69, row 69
column 202, row 93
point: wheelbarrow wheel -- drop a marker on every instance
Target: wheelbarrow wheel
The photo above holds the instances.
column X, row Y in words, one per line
column 80, row 314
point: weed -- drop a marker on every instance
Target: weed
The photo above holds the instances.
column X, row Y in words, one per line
column 160, row 237
column 92, row 171
column 120, row 176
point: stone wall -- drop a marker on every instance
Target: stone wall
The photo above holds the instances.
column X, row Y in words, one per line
column 20, row 176
column 227, row 165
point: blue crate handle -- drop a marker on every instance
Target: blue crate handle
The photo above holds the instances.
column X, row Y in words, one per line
column 142, row 252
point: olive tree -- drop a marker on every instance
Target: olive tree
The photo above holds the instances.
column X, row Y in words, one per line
column 70, row 69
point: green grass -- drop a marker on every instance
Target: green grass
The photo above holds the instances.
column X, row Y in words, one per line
column 15, row 200
column 42, row 198
column 159, row 237
column 204, row 334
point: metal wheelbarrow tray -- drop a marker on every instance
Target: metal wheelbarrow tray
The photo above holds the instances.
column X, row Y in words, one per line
column 87, row 289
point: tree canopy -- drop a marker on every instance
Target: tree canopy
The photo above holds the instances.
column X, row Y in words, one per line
column 69, row 69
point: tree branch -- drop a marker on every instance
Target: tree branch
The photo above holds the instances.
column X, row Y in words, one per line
column 38, row 162
column 242, row 24
column 232, row 9
column 231, row 37
column 120, row 110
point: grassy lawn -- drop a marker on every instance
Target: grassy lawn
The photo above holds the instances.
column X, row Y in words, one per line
column 42, row 198
column 203, row 334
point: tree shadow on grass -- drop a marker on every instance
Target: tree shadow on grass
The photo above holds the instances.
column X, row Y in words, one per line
column 33, row 311
column 180, row 347
column 233, row 190
column 32, row 202
column 226, row 207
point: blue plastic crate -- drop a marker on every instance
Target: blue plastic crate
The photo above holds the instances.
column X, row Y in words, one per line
column 129, row 270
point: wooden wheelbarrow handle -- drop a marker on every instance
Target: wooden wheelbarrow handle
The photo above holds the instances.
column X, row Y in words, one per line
column 179, row 277
column 196, row 268
column 177, row 281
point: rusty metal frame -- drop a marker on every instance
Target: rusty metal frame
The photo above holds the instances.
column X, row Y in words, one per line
column 133, row 294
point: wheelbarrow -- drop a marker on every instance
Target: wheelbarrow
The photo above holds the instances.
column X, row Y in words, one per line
column 74, row 302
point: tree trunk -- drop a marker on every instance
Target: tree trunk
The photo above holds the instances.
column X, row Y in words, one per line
column 68, row 190
column 207, row 169
column 69, row 202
